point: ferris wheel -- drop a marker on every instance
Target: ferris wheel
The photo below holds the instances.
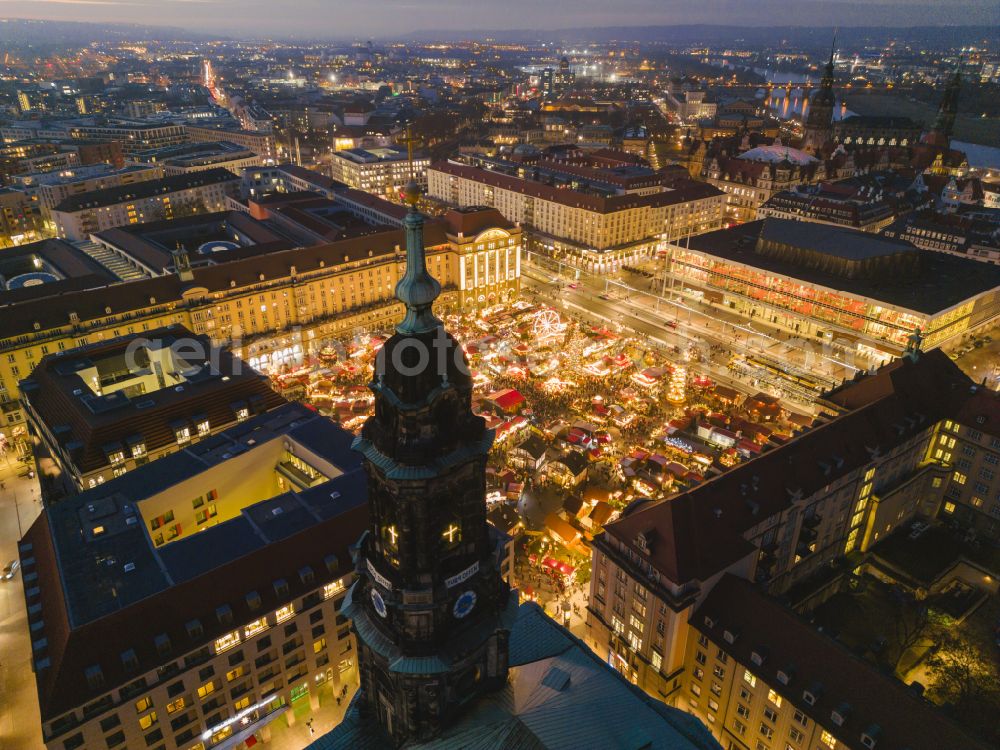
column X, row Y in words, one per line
column 547, row 323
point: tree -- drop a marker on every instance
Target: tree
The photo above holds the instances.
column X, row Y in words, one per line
column 963, row 674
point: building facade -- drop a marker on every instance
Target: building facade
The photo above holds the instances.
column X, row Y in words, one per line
column 681, row 592
column 79, row 216
column 380, row 171
column 597, row 232
column 219, row 620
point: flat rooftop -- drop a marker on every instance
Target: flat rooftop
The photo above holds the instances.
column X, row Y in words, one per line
column 942, row 281
column 55, row 264
column 140, row 389
column 100, row 570
column 209, row 238
column 143, row 190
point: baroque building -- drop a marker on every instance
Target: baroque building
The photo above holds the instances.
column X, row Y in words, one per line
column 431, row 611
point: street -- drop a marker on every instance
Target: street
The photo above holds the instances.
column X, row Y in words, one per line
column 20, row 721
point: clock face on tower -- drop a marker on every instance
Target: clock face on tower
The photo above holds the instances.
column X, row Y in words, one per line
column 464, row 604
column 379, row 603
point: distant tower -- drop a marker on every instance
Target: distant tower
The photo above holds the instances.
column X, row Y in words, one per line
column 430, row 610
column 182, row 263
column 944, row 124
column 819, row 121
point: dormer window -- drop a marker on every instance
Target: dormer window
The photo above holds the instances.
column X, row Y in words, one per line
column 869, row 738
column 253, row 600
column 95, row 677
column 130, row 661
column 784, row 677
column 202, row 426
column 839, row 715
column 729, row 636
column 194, row 629
column 224, row 614
column 757, row 657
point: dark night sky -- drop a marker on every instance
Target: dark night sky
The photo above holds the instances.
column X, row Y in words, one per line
column 389, row 18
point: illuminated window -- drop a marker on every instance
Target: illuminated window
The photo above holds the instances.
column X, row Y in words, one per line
column 774, row 698
column 242, row 703
column 143, row 704
column 959, row 477
column 205, row 690
column 227, row 641
column 203, row 427
column 319, row 645
column 749, row 678
column 949, row 507
column 286, row 612
column 255, row 627
column 176, row 706
column 452, row 535
column 145, row 722
column 828, row 739
column 233, row 674
column 333, row 588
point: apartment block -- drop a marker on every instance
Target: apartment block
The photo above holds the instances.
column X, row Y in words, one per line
column 194, row 603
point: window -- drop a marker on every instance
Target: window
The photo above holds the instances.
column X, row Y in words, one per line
column 719, row 671
column 746, row 695
column 766, row 730
column 145, row 722
column 770, row 714
column 743, row 711
column 796, row 735
column 800, row 718
column 257, row 626
column 205, row 690
column 828, row 739
column 656, row 660
column 774, row 698
column 233, row 674
column 175, row 706
column 227, row 641
column 749, row 678
column 284, row 613
column 695, row 689
column 739, row 727
column 143, row 704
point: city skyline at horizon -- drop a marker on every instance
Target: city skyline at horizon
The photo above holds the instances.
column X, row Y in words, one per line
column 350, row 18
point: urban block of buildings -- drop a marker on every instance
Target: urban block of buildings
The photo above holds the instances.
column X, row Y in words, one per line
column 681, row 593
column 598, row 231
column 102, row 410
column 196, row 601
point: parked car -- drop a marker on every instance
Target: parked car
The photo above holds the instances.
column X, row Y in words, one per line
column 10, row 569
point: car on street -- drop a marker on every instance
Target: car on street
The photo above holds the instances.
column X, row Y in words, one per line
column 10, row 569
column 572, row 286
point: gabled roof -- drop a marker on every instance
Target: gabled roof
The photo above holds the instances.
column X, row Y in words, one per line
column 810, row 658
column 700, row 532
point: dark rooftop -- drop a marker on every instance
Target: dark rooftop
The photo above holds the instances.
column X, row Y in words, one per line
column 141, row 190
column 943, row 280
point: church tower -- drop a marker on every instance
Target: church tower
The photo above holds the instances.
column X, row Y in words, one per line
column 430, row 610
column 818, row 127
column 944, row 123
